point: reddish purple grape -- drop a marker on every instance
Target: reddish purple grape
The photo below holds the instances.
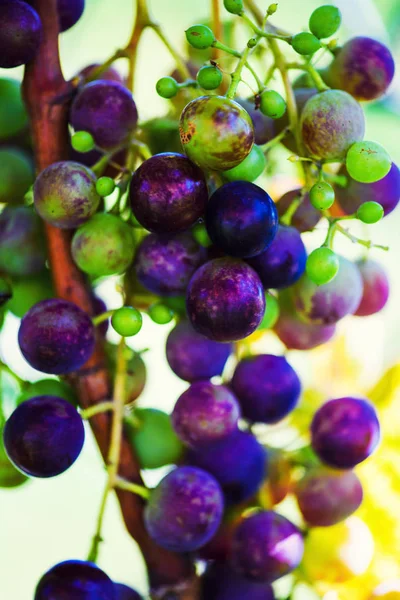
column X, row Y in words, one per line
column 205, row 413
column 238, row 462
column 267, row 387
column 125, row 593
column 345, row 431
column 299, row 335
column 284, row 262
column 44, row 436
column 376, row 288
column 326, row 497
column 168, row 193
column 22, row 241
column 20, row 33
column 264, row 127
column 225, row 300
column 363, row 67
column 221, row 582
column 75, row 579
column 305, row 217
column 56, row 336
column 301, row 95
column 185, row 510
column 105, row 109
column 266, row 546
column 165, row 263
column 241, row 219
column 109, row 74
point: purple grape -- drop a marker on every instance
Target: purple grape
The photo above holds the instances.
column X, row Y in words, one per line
column 386, row 192
column 326, row 497
column 266, row 546
column 264, row 127
column 363, row 67
column 241, row 219
column 267, row 387
column 192, row 356
column 44, row 436
column 205, row 413
column 376, row 288
column 125, row 593
column 326, row 304
column 225, row 300
column 299, row 335
column 305, row 217
column 69, row 12
column 22, row 241
column 75, row 579
column 185, row 510
column 221, row 582
column 165, row 263
column 239, row 464
column 20, row 33
column 107, row 110
column 301, row 95
column 344, row 432
column 56, row 337
column 168, row 193
column 109, row 74
column 284, row 262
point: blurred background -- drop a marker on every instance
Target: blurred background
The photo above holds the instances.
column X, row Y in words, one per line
column 45, row 522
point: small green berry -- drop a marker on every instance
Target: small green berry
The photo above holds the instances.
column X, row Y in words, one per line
column 322, row 195
column 370, row 212
column 272, row 8
column 272, row 104
column 200, row 37
column 325, row 21
column 368, row 162
column 305, row 43
column 105, row 186
column 250, row 168
column 235, row 7
column 271, row 314
column 176, row 304
column 201, row 236
column 82, row 141
column 167, row 87
column 127, row 321
column 209, row 77
column 160, row 313
column 322, row 265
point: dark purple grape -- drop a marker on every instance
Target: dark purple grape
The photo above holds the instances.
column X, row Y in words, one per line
column 20, row 33
column 109, row 74
column 264, row 127
column 56, row 336
column 239, row 463
column 299, row 335
column 10, row 477
column 168, row 193
column 69, row 12
column 185, row 510
column 266, row 546
column 386, row 192
column 205, row 413
column 165, row 263
column 363, row 67
column 376, row 288
column 77, row 580
column 22, row 241
column 302, row 95
column 125, row 593
column 344, row 432
column 107, row 110
column 44, row 436
column 225, row 300
column 305, row 217
column 267, row 387
column 221, row 582
column 284, row 262
column 192, row 356
column 326, row 497
column 241, row 219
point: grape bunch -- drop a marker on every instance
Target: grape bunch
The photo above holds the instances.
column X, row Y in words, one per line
column 181, row 211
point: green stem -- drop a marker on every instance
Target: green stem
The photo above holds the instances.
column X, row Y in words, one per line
column 278, row 138
column 128, row 486
column 261, row 33
column 328, row 243
column 315, row 76
column 237, row 54
column 103, row 317
column 356, row 240
column 286, row 218
column 98, row 71
column 236, row 76
column 180, row 63
column 96, row 409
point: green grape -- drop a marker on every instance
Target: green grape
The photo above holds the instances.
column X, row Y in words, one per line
column 160, row 313
column 5, row 291
column 325, row 21
column 13, row 115
column 82, row 141
column 368, row 162
column 16, row 175
column 201, row 236
column 200, row 37
column 305, row 43
column 167, row 87
column 271, row 312
column 127, row 321
column 272, row 104
column 322, row 265
column 105, row 186
column 48, row 387
column 209, row 77
column 177, row 304
column 370, row 212
column 250, row 168
column 235, row 7
column 322, row 195
column 29, row 290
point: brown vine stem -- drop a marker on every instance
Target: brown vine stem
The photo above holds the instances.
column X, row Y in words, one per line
column 216, row 25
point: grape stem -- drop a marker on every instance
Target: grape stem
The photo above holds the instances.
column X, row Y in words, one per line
column 261, row 33
column 237, row 54
column 312, row 71
column 216, row 25
column 275, row 140
column 128, row 486
column 88, row 413
column 356, row 240
column 98, row 319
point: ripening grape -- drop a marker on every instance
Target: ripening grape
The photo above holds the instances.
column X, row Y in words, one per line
column 322, row 265
column 299, row 335
column 301, row 95
column 264, row 127
column 28, row 290
column 325, row 21
column 44, row 436
column 22, row 241
column 279, row 481
column 305, row 217
column 16, row 175
column 75, row 579
column 225, row 300
column 376, row 287
column 13, row 115
column 221, row 582
column 250, row 168
column 168, row 193
column 123, row 592
column 367, row 162
column 48, row 387
column 20, row 33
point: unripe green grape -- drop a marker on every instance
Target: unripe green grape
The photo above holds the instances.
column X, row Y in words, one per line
column 272, row 104
column 13, row 115
column 368, row 162
column 322, row 265
column 127, row 321
column 105, row 186
column 176, row 303
column 370, row 212
column 325, row 21
column 82, row 141
column 160, row 313
column 235, row 7
column 201, row 236
column 16, row 175
column 5, row 291
column 209, row 77
column 250, row 168
column 272, row 8
column 305, row 43
column 322, row 195
column 167, row 87
column 200, row 37
column 271, row 314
